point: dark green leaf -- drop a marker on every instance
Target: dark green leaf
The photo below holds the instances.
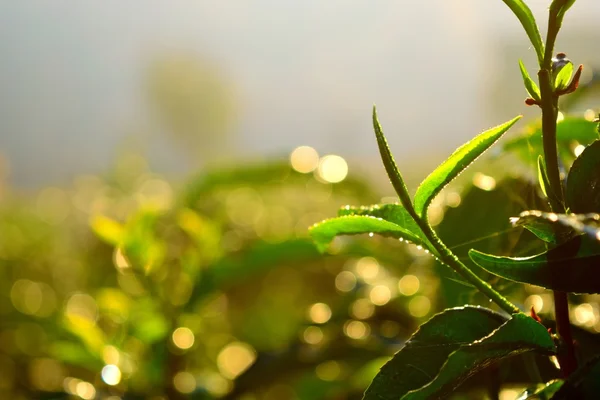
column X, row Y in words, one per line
column 570, row 267
column 390, row 165
column 525, row 16
column 583, row 383
column 422, row 357
column 583, row 183
column 324, row 232
column 455, row 164
column 547, row 226
column 563, row 76
column 394, row 213
column 530, row 85
column 518, row 335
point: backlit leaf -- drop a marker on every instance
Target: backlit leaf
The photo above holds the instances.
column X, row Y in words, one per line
column 530, row 85
column 525, row 16
column 324, row 232
column 394, row 213
column 455, row 164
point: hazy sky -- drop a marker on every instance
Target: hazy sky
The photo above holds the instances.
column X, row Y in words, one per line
column 303, row 72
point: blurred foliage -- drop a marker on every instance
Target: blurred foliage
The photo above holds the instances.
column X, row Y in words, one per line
column 194, row 102
column 126, row 287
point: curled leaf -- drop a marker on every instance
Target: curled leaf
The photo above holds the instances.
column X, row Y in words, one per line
column 544, row 225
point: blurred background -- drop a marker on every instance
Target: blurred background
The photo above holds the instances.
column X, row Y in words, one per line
column 160, row 164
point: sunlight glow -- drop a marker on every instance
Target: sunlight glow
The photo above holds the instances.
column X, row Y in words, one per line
column 409, row 285
column 345, row 281
column 184, row 382
column 578, row 150
column 304, row 159
column 589, row 115
column 356, row 329
column 328, row 370
column 332, row 169
column 362, row 309
column 183, row 338
column 319, row 313
column 235, row 358
column 111, row 374
column 312, row 335
column 419, row 306
column 484, row 182
column 380, row 295
column 535, row 301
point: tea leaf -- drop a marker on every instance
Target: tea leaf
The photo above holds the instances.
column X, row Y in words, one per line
column 544, row 225
column 583, row 188
column 394, row 213
column 424, row 354
column 452, row 346
column 390, row 165
column 455, row 164
column 525, row 16
column 324, row 232
column 560, row 7
column 530, row 85
column 543, row 391
column 563, row 77
column 570, row 267
column 518, row 335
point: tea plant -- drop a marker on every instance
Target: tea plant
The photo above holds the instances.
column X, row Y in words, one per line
column 459, row 342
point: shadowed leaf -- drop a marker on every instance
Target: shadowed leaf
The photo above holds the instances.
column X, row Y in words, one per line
column 570, row 267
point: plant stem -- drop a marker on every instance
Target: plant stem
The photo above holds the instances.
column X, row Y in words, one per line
column 449, row 258
column 549, row 106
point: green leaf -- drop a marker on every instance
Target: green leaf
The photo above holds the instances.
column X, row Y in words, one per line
column 390, row 165
column 543, row 176
column 518, row 335
column 570, row 267
column 528, row 145
column 525, row 16
column 394, row 213
column 563, row 76
column 424, row 354
column 530, row 85
column 543, row 391
column 560, row 7
column 324, row 232
column 583, row 183
column 547, row 226
column 455, row 164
